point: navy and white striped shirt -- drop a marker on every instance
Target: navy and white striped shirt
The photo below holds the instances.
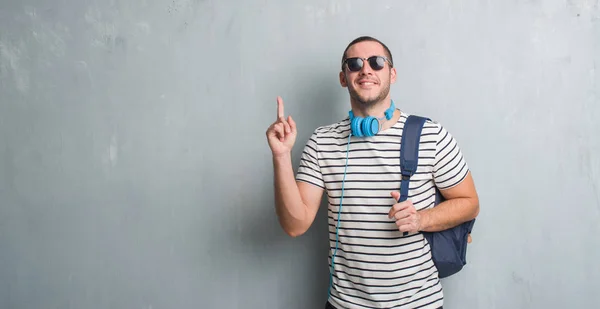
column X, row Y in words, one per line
column 375, row 266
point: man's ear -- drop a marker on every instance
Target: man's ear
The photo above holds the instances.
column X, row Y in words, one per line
column 392, row 75
column 343, row 79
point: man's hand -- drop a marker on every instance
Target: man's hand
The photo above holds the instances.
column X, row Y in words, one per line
column 408, row 219
column 281, row 135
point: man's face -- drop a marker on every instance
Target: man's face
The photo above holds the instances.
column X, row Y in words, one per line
column 367, row 86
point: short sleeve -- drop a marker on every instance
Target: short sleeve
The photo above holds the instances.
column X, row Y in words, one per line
column 450, row 167
column 308, row 169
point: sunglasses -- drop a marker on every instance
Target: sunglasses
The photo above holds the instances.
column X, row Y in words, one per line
column 376, row 63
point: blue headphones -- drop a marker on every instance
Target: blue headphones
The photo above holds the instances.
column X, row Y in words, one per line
column 368, row 126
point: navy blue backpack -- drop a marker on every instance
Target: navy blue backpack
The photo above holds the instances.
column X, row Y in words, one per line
column 448, row 247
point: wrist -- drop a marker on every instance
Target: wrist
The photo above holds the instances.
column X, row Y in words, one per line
column 424, row 220
column 282, row 159
column 286, row 156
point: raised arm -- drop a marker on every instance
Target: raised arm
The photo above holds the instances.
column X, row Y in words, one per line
column 296, row 202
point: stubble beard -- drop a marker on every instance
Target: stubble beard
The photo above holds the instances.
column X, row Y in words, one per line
column 368, row 103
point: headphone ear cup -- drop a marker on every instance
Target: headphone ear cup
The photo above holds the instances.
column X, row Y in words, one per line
column 370, row 126
column 356, row 125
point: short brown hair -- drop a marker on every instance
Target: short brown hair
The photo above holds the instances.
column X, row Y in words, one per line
column 372, row 39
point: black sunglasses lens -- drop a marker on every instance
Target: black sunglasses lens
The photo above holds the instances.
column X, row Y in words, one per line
column 354, row 64
column 377, row 63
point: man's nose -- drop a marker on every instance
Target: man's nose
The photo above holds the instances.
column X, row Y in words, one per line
column 366, row 68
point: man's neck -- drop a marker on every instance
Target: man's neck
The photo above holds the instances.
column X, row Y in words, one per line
column 376, row 110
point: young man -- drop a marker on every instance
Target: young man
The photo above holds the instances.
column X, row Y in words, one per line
column 380, row 260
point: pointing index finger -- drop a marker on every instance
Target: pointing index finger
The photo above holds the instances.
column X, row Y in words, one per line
column 279, row 108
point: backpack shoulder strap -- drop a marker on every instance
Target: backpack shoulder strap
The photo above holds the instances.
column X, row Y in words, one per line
column 409, row 151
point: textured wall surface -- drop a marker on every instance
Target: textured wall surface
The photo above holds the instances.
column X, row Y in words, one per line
column 135, row 173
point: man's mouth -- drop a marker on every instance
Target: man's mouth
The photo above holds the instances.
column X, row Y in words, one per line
column 367, row 83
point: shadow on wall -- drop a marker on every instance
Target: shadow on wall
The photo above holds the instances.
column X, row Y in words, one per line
column 263, row 243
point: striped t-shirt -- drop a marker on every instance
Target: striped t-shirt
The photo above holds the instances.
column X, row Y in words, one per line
column 375, row 266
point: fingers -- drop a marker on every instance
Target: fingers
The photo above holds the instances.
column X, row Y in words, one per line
column 292, row 124
column 286, row 126
column 405, row 214
column 282, row 128
column 400, row 210
column 280, row 113
column 279, row 131
column 281, row 116
column 409, row 224
column 407, row 228
column 405, row 221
